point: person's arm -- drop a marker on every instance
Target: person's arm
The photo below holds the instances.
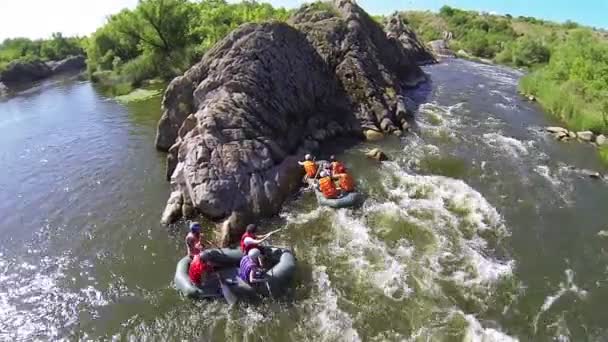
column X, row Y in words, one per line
column 300, row 163
column 253, row 279
column 249, row 241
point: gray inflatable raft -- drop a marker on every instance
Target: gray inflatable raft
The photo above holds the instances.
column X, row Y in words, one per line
column 282, row 265
column 349, row 200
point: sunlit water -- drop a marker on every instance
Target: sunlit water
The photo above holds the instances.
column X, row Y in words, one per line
column 480, row 228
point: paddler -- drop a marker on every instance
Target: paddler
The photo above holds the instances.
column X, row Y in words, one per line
column 337, row 167
column 310, row 167
column 346, row 182
column 249, row 269
column 250, row 240
column 193, row 240
column 327, row 186
column 198, row 270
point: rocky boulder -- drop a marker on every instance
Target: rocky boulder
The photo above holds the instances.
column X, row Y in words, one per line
column 441, row 48
column 19, row 72
column 587, row 136
column 376, row 154
column 397, row 28
column 237, row 121
column 70, row 64
column 23, row 72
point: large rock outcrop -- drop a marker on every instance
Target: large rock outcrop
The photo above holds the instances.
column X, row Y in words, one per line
column 23, row 72
column 70, row 64
column 19, row 72
column 234, row 123
column 397, row 28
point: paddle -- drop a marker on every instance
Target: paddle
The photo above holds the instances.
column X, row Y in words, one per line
column 230, row 297
column 312, row 184
column 272, row 232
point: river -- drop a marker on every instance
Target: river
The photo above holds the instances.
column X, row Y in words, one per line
column 481, row 227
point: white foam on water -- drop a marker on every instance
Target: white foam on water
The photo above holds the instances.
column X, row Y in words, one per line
column 515, row 148
column 328, row 319
column 564, row 287
column 440, row 193
column 354, row 241
column 35, row 304
column 500, row 75
column 545, row 172
column 558, row 180
column 301, row 218
column 477, row 333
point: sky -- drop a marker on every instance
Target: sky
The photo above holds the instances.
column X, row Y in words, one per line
column 39, row 18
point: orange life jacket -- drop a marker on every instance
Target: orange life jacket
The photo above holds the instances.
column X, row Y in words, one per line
column 347, row 183
column 311, row 168
column 337, row 168
column 328, row 188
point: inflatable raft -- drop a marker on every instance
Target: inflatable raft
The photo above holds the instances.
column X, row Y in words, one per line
column 281, row 265
column 349, row 200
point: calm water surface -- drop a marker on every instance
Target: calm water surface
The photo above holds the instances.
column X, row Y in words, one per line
column 480, row 228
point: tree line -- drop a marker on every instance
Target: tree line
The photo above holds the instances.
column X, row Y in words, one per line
column 27, row 50
column 162, row 38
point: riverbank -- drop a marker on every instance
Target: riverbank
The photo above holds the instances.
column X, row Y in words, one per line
column 565, row 61
column 19, row 74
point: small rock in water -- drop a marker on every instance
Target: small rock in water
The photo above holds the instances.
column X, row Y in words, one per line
column 572, row 135
column 592, row 174
column 561, row 136
column 585, row 136
column 531, row 98
column 603, row 233
column 372, row 135
column 556, row 130
column 377, row 154
column 601, row 140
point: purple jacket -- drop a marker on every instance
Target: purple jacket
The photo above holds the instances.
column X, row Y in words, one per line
column 247, row 265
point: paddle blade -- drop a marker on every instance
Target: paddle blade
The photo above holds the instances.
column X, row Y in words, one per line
column 228, row 295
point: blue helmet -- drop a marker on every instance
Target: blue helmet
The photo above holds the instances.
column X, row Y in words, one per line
column 195, row 227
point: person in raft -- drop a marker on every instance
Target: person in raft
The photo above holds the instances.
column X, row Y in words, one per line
column 336, row 166
column 193, row 240
column 250, row 240
column 327, row 186
column 199, row 269
column 346, row 182
column 310, row 167
column 250, row 270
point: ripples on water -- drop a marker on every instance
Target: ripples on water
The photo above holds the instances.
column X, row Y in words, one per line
column 476, row 230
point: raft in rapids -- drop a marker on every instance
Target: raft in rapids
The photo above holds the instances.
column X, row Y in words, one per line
column 349, row 200
column 226, row 264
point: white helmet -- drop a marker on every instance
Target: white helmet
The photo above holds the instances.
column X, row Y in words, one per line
column 324, row 174
column 254, row 253
column 308, row 157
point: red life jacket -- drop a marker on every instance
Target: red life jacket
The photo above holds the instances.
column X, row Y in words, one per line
column 245, row 248
column 337, row 168
column 197, row 268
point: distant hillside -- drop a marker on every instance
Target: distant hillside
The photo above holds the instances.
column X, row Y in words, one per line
column 518, row 41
